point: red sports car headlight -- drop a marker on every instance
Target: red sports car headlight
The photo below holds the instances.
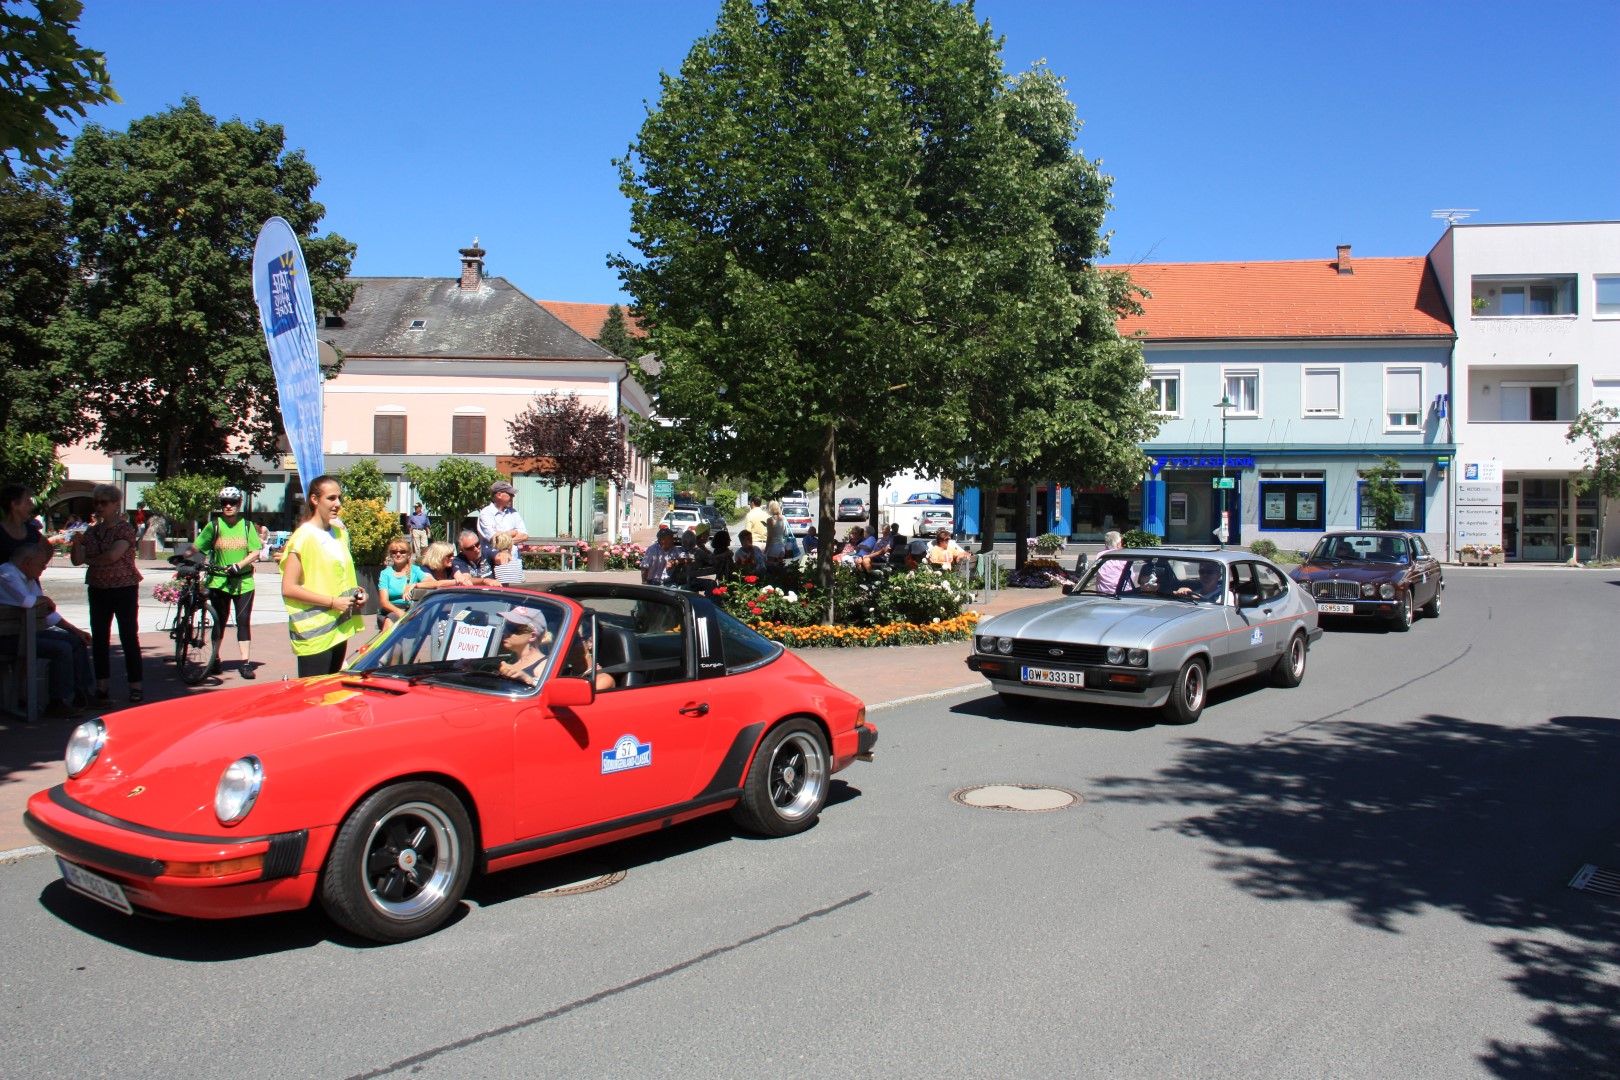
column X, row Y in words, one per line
column 238, row 789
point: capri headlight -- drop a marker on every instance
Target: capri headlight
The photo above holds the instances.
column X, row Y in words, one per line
column 987, row 643
column 238, row 789
column 1004, row 645
column 1138, row 657
column 1116, row 655
column 1387, row 591
column 84, row 745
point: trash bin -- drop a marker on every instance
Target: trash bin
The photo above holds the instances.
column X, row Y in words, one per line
column 596, row 559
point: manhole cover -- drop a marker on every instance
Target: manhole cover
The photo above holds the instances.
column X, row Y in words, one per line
column 591, row 879
column 1591, row 878
column 1024, row 798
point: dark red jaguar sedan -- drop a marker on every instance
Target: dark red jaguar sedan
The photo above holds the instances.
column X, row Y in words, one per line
column 1371, row 574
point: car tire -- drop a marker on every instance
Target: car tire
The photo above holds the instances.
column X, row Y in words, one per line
column 787, row 784
column 1187, row 696
column 400, row 863
column 1289, row 671
column 1431, row 610
column 1401, row 621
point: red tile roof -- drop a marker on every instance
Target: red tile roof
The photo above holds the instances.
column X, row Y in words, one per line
column 1288, row 300
column 588, row 319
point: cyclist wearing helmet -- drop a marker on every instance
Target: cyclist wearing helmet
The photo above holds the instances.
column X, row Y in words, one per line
column 231, row 543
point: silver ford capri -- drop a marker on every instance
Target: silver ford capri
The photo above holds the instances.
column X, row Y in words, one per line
column 1153, row 628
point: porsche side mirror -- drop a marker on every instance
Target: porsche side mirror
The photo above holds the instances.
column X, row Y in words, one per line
column 568, row 692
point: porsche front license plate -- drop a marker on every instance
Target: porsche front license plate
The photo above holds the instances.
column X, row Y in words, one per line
column 1336, row 609
column 1052, row 677
column 94, row 886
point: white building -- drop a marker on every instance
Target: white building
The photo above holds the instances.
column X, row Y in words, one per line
column 1537, row 315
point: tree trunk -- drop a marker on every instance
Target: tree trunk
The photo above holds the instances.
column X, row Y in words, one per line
column 872, row 506
column 1021, row 493
column 570, row 531
column 827, row 479
column 987, row 519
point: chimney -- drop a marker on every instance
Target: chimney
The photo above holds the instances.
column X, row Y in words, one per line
column 472, row 267
column 1343, row 263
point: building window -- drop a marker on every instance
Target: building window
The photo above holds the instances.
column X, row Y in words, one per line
column 1518, row 297
column 466, row 434
column 1530, row 402
column 1293, row 505
column 1608, row 296
column 388, row 433
column 1410, row 516
column 1166, row 389
column 1403, row 399
column 1243, row 390
column 1322, row 391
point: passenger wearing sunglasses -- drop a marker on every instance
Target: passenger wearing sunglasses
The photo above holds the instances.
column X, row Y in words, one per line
column 471, row 565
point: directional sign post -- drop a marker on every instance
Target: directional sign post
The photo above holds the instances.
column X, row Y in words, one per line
column 1224, row 483
column 663, row 489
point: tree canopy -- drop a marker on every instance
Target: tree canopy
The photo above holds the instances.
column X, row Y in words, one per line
column 864, row 248
column 37, row 389
column 576, row 443
column 161, row 322
column 1596, row 431
column 452, row 489
column 45, row 76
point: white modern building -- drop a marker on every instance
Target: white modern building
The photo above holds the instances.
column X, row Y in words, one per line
column 1536, row 309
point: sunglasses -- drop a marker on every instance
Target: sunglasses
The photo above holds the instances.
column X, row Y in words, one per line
column 393, row 554
column 471, row 547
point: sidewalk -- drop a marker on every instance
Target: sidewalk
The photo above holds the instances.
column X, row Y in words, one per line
column 31, row 757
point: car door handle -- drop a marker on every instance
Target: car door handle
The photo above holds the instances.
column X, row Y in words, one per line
column 700, row 709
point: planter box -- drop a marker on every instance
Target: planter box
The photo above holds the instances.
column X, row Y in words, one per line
column 1480, row 560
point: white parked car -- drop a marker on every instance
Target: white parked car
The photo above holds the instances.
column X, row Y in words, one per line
column 682, row 518
column 931, row 521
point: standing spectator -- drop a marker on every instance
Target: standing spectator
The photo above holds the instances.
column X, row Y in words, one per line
column 264, row 543
column 232, row 544
column 107, row 551
column 1110, row 572
column 472, row 564
column 508, row 561
column 318, row 583
column 395, row 582
column 420, row 526
column 656, row 559
column 754, row 520
column 17, row 524
column 58, row 641
column 499, row 517
column 776, row 529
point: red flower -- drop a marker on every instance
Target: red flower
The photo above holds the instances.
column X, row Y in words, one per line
column 718, row 590
column 754, row 609
column 751, row 579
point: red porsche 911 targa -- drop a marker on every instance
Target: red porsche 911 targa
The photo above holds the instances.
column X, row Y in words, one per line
column 492, row 727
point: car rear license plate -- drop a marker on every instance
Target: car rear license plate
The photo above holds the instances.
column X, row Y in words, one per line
column 1336, row 609
column 1053, row 677
column 94, row 886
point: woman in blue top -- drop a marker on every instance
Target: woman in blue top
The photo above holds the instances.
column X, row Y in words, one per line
column 395, row 581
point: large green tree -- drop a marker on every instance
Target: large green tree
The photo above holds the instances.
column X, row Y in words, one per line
column 37, row 389
column 452, row 489
column 45, row 76
column 852, row 224
column 162, row 321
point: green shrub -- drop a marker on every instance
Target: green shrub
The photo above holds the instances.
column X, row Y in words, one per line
column 1264, row 548
column 372, row 526
column 1139, row 538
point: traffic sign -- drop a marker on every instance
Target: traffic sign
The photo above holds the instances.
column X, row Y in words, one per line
column 663, row 489
column 1227, row 482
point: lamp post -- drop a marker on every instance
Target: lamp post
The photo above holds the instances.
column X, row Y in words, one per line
column 1224, row 404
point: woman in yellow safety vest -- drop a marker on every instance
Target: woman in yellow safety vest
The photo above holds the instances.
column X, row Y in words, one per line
column 318, row 584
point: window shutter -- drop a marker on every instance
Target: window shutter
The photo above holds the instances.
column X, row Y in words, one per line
column 388, row 434
column 1321, row 391
column 467, row 435
column 1405, row 392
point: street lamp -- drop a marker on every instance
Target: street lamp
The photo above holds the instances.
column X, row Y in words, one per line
column 1224, row 531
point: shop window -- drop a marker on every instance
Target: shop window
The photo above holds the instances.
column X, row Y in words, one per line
column 1293, row 506
column 1408, row 518
column 1322, row 392
column 388, row 433
column 1403, row 399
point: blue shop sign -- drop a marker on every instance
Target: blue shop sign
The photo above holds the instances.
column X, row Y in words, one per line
column 1213, row 461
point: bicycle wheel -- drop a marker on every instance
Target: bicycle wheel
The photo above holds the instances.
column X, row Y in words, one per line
column 181, row 628
column 192, row 657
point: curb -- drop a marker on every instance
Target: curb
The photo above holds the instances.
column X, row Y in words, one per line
column 19, row 854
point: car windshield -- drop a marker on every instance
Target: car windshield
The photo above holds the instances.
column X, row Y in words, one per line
column 1362, row 547
column 480, row 639
column 1156, row 577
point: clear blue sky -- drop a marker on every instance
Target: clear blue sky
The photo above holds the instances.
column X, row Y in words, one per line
column 1233, row 130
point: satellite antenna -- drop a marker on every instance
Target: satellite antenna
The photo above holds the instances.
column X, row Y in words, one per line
column 1451, row 217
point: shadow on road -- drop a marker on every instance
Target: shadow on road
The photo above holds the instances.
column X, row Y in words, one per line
column 1067, row 714
column 1484, row 821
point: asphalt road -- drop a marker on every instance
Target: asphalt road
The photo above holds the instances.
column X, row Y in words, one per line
column 1363, row 877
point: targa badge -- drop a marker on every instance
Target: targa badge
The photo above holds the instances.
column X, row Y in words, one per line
column 627, row 753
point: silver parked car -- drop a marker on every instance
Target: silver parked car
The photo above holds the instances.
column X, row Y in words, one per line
column 1153, row 629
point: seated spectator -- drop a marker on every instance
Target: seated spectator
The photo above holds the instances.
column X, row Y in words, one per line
column 748, row 559
column 944, row 553
column 436, row 564
column 471, row 566
column 878, row 554
column 809, row 541
column 395, row 583
column 656, row 560
column 508, row 560
column 66, row 646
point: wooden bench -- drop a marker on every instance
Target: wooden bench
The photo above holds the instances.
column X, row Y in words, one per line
column 25, row 662
column 567, row 549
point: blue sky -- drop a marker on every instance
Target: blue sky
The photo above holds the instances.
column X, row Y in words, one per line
column 1233, row 130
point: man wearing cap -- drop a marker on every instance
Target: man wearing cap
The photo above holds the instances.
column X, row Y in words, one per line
column 656, row 559
column 418, row 523
column 499, row 517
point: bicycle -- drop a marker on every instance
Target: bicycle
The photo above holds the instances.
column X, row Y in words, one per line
column 193, row 620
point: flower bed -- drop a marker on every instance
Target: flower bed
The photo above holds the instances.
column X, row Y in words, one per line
column 1481, row 555
column 550, row 556
column 1038, row 573
column 898, row 608
column 959, row 628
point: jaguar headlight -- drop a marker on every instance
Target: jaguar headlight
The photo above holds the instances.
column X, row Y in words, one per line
column 1387, row 591
column 1004, row 645
column 84, row 745
column 1367, row 588
column 1116, row 655
column 238, row 789
column 1138, row 657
